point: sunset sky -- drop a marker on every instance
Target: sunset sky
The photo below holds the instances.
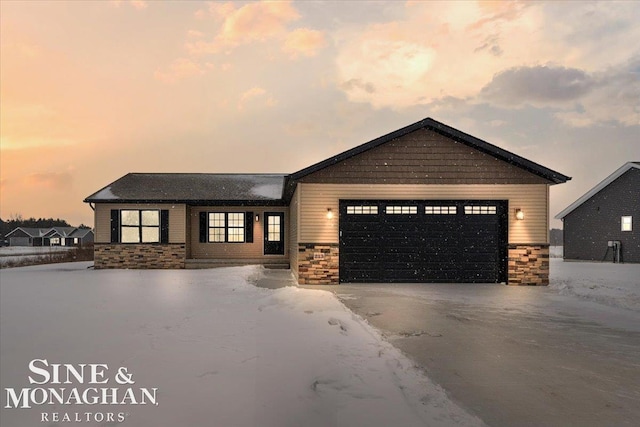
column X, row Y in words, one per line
column 93, row 90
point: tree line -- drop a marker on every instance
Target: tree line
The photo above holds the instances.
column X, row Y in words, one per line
column 18, row 221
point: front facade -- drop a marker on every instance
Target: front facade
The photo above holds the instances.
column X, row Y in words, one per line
column 426, row 203
column 602, row 225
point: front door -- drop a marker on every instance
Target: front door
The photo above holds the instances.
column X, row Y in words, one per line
column 274, row 233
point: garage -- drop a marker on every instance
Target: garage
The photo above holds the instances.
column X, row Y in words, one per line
column 423, row 241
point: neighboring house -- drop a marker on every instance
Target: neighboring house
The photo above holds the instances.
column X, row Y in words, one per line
column 426, row 203
column 51, row 236
column 604, row 224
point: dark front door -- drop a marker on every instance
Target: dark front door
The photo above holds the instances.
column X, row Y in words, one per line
column 274, row 233
column 423, row 241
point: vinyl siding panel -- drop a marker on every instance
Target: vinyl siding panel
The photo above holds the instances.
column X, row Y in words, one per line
column 177, row 218
column 253, row 250
column 590, row 226
column 315, row 199
column 423, row 157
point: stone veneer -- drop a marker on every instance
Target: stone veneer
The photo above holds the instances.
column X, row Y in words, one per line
column 529, row 264
column 155, row 255
column 318, row 264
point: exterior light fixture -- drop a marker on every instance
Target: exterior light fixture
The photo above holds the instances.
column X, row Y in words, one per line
column 257, row 218
column 519, row 214
column 329, row 213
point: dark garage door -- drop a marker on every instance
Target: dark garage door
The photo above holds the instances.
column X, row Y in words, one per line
column 423, row 241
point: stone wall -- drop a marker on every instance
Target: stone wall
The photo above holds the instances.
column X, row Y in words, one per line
column 115, row 255
column 529, row 264
column 318, row 264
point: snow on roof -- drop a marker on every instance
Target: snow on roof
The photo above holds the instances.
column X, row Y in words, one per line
column 192, row 187
column 608, row 180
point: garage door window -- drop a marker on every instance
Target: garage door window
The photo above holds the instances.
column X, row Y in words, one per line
column 440, row 210
column 362, row 210
column 480, row 210
column 401, row 210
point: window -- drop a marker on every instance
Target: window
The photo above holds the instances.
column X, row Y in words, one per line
column 226, row 227
column 440, row 210
column 362, row 210
column 402, row 210
column 626, row 223
column 480, row 210
column 273, row 228
column 140, row 226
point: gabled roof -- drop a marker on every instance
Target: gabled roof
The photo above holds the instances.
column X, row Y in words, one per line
column 449, row 132
column 30, row 231
column 52, row 231
column 589, row 194
column 201, row 188
column 80, row 232
column 60, row 231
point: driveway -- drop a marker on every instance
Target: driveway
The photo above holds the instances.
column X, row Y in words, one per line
column 514, row 356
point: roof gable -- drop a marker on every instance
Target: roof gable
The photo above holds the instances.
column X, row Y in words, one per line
column 602, row 185
column 423, row 157
column 448, row 132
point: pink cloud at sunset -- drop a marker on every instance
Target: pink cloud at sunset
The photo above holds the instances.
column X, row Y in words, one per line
column 90, row 91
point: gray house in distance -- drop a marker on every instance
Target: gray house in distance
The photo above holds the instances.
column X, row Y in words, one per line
column 603, row 225
column 51, row 236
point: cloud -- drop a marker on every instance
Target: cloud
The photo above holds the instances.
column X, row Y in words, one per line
column 540, row 86
column 253, row 22
column 252, row 93
column 502, row 53
column 136, row 4
column 59, row 181
column 615, row 98
column 303, row 41
column 180, row 69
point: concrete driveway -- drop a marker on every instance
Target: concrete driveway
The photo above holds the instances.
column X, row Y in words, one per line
column 514, row 356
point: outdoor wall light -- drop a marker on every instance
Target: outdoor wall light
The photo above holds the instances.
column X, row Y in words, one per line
column 257, row 218
column 519, row 214
column 329, row 213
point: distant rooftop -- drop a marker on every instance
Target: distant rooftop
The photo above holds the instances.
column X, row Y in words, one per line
column 192, row 187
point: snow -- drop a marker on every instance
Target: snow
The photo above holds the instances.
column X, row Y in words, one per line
column 220, row 350
column 31, row 250
column 15, row 254
column 556, row 251
column 616, row 285
column 105, row 194
column 270, row 191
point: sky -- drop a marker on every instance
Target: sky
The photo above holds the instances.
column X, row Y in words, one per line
column 92, row 90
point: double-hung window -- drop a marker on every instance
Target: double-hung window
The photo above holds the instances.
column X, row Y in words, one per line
column 226, row 227
column 626, row 223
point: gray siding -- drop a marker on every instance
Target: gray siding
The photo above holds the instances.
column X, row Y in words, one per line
column 588, row 228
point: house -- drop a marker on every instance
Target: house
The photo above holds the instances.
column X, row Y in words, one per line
column 426, row 203
column 51, row 236
column 599, row 226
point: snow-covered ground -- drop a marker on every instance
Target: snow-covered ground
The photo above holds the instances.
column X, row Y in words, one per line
column 15, row 254
column 556, row 251
column 220, row 351
column 616, row 285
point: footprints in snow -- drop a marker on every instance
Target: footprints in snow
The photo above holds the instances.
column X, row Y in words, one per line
column 337, row 322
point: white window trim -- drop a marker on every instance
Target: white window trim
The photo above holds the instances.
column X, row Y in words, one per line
column 624, row 223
